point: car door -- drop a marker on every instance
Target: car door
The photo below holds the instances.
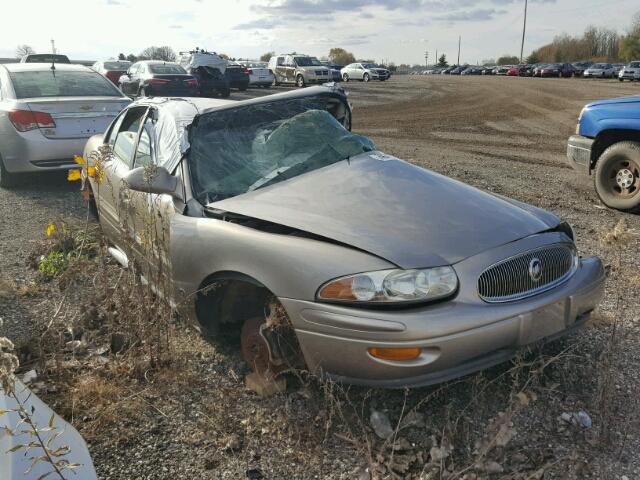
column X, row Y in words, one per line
column 280, row 70
column 113, row 198
column 150, row 216
column 359, row 73
column 136, row 78
column 125, row 80
column 289, row 69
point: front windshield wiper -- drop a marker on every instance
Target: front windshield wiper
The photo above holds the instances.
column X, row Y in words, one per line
column 267, row 178
column 292, row 171
column 277, row 174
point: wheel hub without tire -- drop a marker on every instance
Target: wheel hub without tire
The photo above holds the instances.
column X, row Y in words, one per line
column 255, row 349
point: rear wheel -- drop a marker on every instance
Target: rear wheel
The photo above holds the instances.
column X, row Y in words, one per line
column 7, row 179
column 345, row 78
column 366, row 77
column 224, row 93
column 300, row 81
column 617, row 176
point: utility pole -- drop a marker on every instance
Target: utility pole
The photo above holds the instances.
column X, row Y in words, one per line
column 437, row 59
column 524, row 29
column 53, row 46
column 426, row 59
column 459, row 40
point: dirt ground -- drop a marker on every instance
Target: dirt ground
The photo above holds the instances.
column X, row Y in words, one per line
column 505, row 135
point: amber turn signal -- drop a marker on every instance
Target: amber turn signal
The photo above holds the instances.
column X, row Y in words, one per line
column 396, row 354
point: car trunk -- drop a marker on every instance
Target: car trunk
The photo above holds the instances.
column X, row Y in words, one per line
column 175, row 83
column 79, row 117
column 235, row 72
column 259, row 72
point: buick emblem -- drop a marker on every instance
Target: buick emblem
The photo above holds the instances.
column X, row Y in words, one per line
column 535, row 269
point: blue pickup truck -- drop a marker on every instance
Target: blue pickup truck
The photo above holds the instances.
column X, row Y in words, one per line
column 607, row 146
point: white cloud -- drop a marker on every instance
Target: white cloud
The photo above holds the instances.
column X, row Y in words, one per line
column 399, row 30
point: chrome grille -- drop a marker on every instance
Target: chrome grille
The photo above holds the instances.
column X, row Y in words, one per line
column 512, row 279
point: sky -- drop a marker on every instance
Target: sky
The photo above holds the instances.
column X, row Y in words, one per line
column 383, row 30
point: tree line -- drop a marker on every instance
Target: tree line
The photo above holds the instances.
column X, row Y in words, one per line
column 596, row 44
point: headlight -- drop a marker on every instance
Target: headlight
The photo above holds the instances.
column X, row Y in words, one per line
column 392, row 286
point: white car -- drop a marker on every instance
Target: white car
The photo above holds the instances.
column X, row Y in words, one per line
column 47, row 115
column 364, row 72
column 600, row 70
column 630, row 72
column 259, row 74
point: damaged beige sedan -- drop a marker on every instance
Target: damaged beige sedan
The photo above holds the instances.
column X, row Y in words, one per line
column 271, row 211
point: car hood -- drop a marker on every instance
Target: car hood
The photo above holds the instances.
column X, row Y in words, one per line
column 613, row 101
column 405, row 214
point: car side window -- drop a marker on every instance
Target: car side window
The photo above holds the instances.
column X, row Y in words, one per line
column 280, row 61
column 113, row 131
column 289, row 62
column 125, row 143
column 144, row 157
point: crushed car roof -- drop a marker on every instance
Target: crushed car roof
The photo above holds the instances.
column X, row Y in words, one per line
column 174, row 115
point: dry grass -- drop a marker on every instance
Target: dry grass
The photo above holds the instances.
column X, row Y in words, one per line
column 501, row 423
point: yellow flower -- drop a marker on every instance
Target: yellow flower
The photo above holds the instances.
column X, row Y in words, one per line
column 78, row 159
column 51, row 229
column 73, row 175
column 98, row 172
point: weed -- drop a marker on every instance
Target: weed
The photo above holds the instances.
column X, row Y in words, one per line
column 53, row 264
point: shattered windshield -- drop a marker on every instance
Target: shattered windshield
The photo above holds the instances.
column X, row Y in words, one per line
column 236, row 151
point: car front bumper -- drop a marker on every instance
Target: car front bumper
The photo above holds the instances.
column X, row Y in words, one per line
column 319, row 79
column 579, row 152
column 457, row 337
column 31, row 151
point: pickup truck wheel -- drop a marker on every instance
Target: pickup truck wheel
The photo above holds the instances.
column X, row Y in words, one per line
column 300, row 81
column 617, row 176
column 7, row 179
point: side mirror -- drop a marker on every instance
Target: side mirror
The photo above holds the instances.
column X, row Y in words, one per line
column 152, row 179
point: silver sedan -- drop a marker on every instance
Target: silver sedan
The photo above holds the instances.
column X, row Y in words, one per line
column 273, row 216
column 47, row 113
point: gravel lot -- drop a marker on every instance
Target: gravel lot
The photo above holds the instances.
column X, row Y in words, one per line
column 506, row 135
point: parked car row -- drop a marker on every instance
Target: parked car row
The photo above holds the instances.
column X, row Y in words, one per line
column 302, row 70
column 559, row 70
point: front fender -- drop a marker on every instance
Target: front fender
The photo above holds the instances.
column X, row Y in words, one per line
column 288, row 265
